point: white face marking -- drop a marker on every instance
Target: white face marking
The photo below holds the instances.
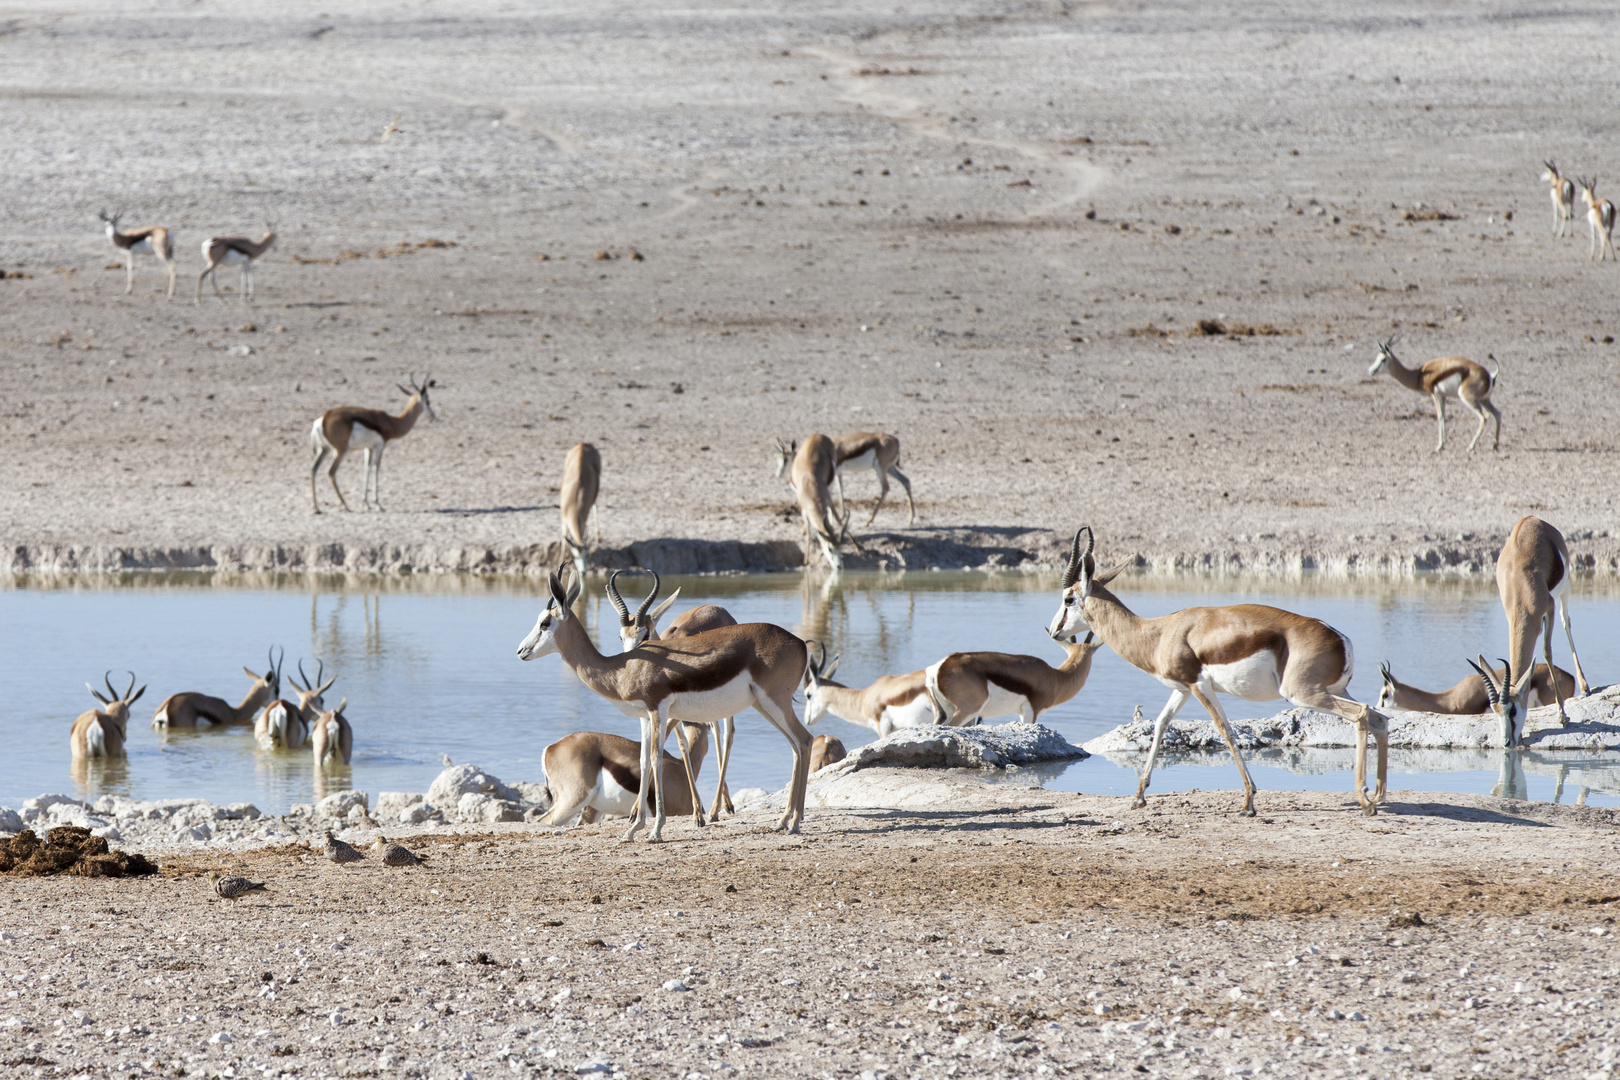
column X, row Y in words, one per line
column 1378, row 364
column 542, row 640
column 1069, row 620
column 1254, row 678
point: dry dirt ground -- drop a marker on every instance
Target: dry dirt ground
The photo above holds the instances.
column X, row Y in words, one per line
column 1020, row 933
column 991, row 227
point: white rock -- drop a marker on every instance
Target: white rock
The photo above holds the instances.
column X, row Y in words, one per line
column 486, row 809
column 458, row 780
column 339, row 804
column 109, row 833
column 562, row 995
column 418, row 813
column 192, row 834
column 7, row 937
column 32, row 809
column 748, row 796
column 675, row 986
column 219, row 1037
column 10, row 820
column 391, row 804
column 593, row 1067
column 961, row 748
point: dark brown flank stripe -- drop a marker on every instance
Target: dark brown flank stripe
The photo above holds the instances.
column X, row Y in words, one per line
column 871, row 443
column 622, row 775
column 344, row 417
column 1556, row 574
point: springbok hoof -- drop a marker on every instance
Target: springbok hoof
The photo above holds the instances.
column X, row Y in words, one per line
column 1139, row 804
column 1370, row 810
column 1248, row 811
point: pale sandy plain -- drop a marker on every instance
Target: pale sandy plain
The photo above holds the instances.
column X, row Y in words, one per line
column 849, row 219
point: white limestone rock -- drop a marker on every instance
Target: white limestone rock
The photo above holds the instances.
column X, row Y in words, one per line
column 996, row 747
column 10, row 820
column 485, row 809
column 341, row 804
column 458, row 780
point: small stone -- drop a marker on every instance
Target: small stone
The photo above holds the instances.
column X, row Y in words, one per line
column 219, row 1037
column 675, row 986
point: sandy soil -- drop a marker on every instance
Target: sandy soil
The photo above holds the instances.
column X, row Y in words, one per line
column 991, row 228
column 1021, row 932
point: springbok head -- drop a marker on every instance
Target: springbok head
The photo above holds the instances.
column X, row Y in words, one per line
column 1549, row 172
column 1080, row 577
column 1386, row 353
column 542, row 640
column 310, row 691
column 1386, row 693
column 1507, row 700
column 267, row 687
column 420, row 390
column 634, row 629
column 784, row 456
column 111, row 220
column 817, row 674
column 117, row 705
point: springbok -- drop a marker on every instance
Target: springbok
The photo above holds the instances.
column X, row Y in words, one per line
column 220, row 251
column 332, row 739
column 582, row 478
column 643, row 626
column 1532, row 577
column 1250, row 651
column 826, row 750
column 283, row 724
column 968, row 687
column 1599, row 219
column 700, row 679
column 877, row 449
column 188, row 710
column 1562, row 190
column 811, row 467
column 338, row 430
column 1469, row 697
column 590, row 774
column 1447, row 377
column 99, row 733
column 149, row 240
column 892, row 701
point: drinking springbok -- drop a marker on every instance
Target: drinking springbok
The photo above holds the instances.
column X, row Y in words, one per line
column 968, row 687
column 99, row 733
column 1469, row 697
column 700, row 679
column 147, row 240
column 590, row 774
column 877, row 449
column 332, row 739
column 1532, row 578
column 1562, row 190
column 1599, row 219
column 892, row 701
column 285, row 725
column 1250, row 651
column 582, row 478
column 1445, row 377
column 812, row 467
column 188, row 710
column 341, row 429
column 643, row 626
column 239, row 251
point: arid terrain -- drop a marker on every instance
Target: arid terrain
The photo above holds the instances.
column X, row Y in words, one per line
column 1012, row 233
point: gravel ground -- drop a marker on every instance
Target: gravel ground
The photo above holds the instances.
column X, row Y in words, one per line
column 993, row 228
column 1009, row 932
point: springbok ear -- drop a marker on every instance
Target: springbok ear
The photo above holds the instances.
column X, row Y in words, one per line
column 1089, row 635
column 832, row 667
column 658, row 612
column 559, row 599
column 137, row 696
column 573, row 593
column 341, row 705
column 1383, row 670
column 1114, row 571
column 96, row 694
column 325, row 686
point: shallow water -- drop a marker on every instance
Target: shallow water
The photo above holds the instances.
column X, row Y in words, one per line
column 429, row 668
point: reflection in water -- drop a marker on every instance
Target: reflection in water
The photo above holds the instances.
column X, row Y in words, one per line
column 95, row 777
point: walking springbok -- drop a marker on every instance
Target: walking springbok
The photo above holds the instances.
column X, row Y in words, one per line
column 826, row 750
column 285, row 725
column 892, row 701
column 968, row 687
column 590, row 774
column 188, row 710
column 700, row 679
column 332, row 739
column 346, row 427
column 1562, row 190
column 1250, row 651
column 1599, row 219
column 99, row 733
column 812, row 465
column 582, row 477
column 643, row 626
column 1469, row 697
column 1447, row 377
column 220, row 251
column 1532, row 577
column 877, row 449
column 149, row 240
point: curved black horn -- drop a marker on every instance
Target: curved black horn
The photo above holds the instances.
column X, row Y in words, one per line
column 1490, row 687
column 646, row 605
column 1071, row 571
column 128, row 689
column 306, row 683
column 617, row 600
column 112, row 695
column 1507, row 675
column 1383, row 669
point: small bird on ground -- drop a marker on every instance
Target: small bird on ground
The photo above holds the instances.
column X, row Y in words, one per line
column 446, row 759
column 393, row 128
column 338, row 851
column 395, row 854
column 233, row 888
column 1136, row 717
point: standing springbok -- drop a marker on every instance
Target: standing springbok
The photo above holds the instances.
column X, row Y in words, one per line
column 332, row 740
column 99, row 733
column 1599, row 219
column 285, row 725
column 1562, row 190
column 220, row 251
column 811, row 469
column 968, row 687
column 1250, row 651
column 1447, row 377
column 1469, row 697
column 643, row 626
column 590, row 774
column 188, row 710
column 346, row 427
column 582, row 477
column 1532, row 577
column 879, row 450
column 700, row 679
column 892, row 701
column 148, row 240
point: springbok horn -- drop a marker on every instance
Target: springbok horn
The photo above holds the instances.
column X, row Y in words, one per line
column 1086, row 561
column 1490, row 687
column 1507, row 675
column 404, row 391
column 646, row 605
column 125, row 695
column 112, row 695
column 306, row 684
column 1383, row 669
column 1089, row 635
column 618, row 601
column 1069, row 571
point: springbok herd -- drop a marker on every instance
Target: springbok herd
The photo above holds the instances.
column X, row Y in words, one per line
column 706, row 667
